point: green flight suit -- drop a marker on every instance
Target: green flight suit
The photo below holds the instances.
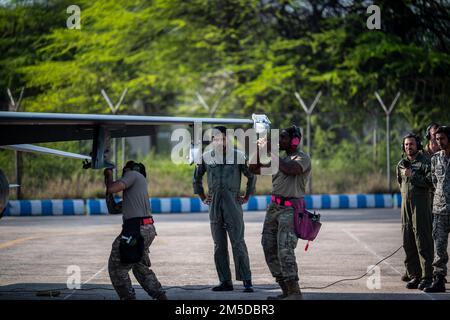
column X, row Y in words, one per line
column 225, row 211
column 417, row 217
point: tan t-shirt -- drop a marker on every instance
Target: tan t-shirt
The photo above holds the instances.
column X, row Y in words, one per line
column 135, row 196
column 289, row 185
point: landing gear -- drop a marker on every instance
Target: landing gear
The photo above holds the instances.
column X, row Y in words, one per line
column 4, row 193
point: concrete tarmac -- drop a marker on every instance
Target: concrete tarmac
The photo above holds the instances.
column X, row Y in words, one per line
column 46, row 253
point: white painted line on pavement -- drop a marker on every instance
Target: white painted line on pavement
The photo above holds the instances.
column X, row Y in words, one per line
column 365, row 246
column 351, row 235
column 95, row 275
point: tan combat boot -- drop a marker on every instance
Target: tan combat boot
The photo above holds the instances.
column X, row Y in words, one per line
column 293, row 291
column 282, row 295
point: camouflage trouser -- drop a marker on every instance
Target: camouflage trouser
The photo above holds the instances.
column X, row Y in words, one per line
column 226, row 218
column 118, row 272
column 279, row 242
column 441, row 229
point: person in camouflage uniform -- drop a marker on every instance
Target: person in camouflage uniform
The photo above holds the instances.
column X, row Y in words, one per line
column 440, row 170
column 278, row 237
column 225, row 208
column 414, row 178
column 432, row 146
column 135, row 208
column 430, row 149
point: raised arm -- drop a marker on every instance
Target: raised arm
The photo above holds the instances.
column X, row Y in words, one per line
column 255, row 162
column 290, row 167
column 112, row 186
column 251, row 180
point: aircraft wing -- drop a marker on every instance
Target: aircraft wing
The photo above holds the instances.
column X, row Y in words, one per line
column 19, row 129
column 31, row 127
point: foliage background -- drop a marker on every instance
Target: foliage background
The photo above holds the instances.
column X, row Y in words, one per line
column 252, row 54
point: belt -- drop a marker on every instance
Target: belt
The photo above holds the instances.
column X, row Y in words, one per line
column 145, row 221
column 282, row 201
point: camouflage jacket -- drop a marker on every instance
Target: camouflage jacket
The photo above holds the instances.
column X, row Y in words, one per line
column 441, row 180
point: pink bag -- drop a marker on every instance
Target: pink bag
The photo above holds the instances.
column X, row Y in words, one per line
column 306, row 224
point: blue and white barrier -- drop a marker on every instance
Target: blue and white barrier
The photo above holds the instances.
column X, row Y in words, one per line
column 345, row 201
column 45, row 207
column 186, row 204
column 255, row 203
column 397, row 200
column 175, row 205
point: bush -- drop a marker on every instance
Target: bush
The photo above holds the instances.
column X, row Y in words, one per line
column 347, row 169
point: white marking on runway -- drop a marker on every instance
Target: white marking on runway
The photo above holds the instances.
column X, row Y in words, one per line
column 95, row 275
column 365, row 246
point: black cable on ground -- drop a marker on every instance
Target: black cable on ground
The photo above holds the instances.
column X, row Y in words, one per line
column 56, row 292
column 358, row 278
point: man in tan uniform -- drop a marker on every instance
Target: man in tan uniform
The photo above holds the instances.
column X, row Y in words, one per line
column 278, row 237
column 130, row 250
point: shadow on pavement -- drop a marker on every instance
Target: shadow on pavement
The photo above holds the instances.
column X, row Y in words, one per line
column 59, row 291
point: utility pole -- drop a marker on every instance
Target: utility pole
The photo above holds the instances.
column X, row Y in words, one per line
column 308, row 125
column 115, row 110
column 18, row 168
column 374, row 140
column 388, row 113
column 211, row 109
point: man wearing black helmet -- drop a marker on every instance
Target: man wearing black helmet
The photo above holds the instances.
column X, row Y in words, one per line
column 279, row 239
column 130, row 250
